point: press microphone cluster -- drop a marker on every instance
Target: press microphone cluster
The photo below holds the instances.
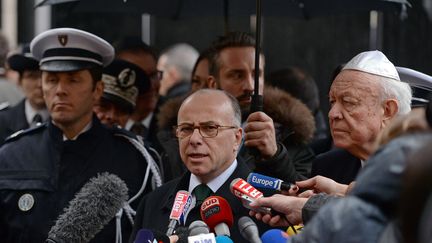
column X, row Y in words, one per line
column 90, row 210
column 267, row 182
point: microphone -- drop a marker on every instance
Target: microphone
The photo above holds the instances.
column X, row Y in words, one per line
column 275, row 236
column 267, row 182
column 223, row 239
column 198, row 227
column 249, row 230
column 180, row 202
column 144, row 236
column 247, row 193
column 217, row 214
column 90, row 210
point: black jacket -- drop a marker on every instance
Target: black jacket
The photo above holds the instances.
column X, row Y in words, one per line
column 12, row 120
column 337, row 164
column 40, row 163
column 154, row 210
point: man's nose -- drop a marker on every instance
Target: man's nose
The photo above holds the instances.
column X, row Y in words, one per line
column 335, row 112
column 249, row 83
column 195, row 138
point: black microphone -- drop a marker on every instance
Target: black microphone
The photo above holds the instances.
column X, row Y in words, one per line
column 248, row 229
column 90, row 210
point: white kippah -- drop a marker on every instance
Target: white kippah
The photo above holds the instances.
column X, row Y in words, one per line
column 373, row 62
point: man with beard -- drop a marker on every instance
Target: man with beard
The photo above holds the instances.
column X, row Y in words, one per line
column 281, row 132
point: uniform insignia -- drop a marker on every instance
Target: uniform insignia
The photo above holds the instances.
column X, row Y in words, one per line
column 126, row 78
column 26, row 202
column 63, row 39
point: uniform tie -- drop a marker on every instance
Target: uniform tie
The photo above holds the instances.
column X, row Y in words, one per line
column 139, row 129
column 36, row 119
column 201, row 192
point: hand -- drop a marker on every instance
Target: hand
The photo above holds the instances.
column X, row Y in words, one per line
column 291, row 207
column 173, row 238
column 260, row 133
column 319, row 184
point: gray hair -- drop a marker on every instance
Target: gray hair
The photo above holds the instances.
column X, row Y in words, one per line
column 398, row 90
column 183, row 57
column 236, row 119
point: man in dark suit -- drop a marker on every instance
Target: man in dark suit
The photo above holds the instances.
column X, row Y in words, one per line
column 209, row 136
column 32, row 109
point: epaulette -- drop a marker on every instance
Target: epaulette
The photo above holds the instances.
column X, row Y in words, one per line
column 14, row 136
column 4, row 106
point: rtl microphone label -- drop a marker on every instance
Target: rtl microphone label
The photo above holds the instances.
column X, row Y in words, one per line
column 245, row 188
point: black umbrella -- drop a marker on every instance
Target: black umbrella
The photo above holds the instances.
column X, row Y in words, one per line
column 195, row 8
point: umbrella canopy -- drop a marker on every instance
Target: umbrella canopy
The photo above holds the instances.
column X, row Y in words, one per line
column 195, row 8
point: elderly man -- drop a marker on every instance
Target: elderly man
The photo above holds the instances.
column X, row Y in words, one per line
column 42, row 168
column 32, row 109
column 365, row 96
column 209, row 135
column 281, row 132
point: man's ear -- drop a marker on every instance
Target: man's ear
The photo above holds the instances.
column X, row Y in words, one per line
column 99, row 88
column 211, row 82
column 391, row 109
column 238, row 137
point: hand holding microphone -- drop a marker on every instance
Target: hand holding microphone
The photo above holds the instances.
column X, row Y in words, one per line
column 291, row 208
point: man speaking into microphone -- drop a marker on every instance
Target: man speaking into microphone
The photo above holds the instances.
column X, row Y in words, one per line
column 209, row 134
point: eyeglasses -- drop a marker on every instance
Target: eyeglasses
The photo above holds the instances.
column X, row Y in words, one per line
column 206, row 130
column 156, row 75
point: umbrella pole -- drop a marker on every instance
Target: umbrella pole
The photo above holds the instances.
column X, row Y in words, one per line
column 257, row 99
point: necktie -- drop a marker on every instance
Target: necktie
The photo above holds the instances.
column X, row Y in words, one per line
column 36, row 119
column 139, row 129
column 201, row 192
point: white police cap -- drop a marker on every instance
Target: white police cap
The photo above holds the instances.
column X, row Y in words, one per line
column 420, row 83
column 68, row 49
column 373, row 62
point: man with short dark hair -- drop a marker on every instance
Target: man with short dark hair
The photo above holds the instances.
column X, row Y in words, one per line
column 42, row 168
column 281, row 132
column 31, row 110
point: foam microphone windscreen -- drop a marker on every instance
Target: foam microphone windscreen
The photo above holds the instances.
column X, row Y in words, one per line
column 198, row 227
column 215, row 210
column 90, row 210
column 144, row 236
column 274, row 236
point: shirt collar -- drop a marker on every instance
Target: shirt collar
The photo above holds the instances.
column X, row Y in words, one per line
column 217, row 182
column 146, row 122
column 30, row 112
column 85, row 129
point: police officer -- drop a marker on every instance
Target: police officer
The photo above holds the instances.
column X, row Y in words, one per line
column 43, row 167
column 123, row 81
column 32, row 109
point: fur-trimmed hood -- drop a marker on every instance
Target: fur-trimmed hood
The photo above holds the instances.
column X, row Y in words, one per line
column 290, row 112
column 283, row 108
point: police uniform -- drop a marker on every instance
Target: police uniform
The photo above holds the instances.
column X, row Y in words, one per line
column 17, row 117
column 40, row 171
